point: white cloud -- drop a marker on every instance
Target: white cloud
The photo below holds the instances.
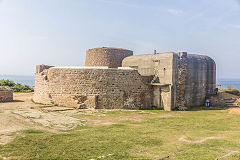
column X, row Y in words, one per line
column 175, row 11
column 236, row 26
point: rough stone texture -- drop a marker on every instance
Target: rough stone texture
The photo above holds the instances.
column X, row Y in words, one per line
column 41, row 68
column 181, row 79
column 6, row 94
column 92, row 88
column 111, row 57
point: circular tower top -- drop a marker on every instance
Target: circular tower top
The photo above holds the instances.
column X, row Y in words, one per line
column 111, row 57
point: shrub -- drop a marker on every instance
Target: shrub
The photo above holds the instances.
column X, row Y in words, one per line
column 7, row 83
column 231, row 90
column 16, row 87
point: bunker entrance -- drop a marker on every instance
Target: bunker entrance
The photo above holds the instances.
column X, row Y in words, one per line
column 157, row 97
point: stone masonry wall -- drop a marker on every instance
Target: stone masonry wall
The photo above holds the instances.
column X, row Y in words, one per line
column 41, row 68
column 6, row 96
column 181, row 79
column 92, row 88
column 111, row 57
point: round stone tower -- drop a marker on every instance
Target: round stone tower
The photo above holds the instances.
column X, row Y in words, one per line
column 111, row 57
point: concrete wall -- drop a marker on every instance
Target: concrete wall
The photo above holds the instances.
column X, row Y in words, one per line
column 6, row 96
column 201, row 79
column 161, row 68
column 190, row 78
column 153, row 64
column 111, row 57
column 92, row 88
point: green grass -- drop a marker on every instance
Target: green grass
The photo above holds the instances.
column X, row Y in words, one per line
column 155, row 136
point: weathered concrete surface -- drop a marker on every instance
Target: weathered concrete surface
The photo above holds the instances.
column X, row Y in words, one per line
column 200, row 80
column 111, row 57
column 190, row 78
column 160, row 67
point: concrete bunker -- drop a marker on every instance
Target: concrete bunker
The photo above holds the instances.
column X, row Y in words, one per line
column 179, row 79
column 115, row 79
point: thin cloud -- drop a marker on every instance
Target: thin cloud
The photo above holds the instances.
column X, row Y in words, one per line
column 236, row 26
column 121, row 3
column 139, row 6
column 175, row 11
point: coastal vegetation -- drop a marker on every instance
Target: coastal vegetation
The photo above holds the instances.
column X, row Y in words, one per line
column 16, row 87
column 231, row 90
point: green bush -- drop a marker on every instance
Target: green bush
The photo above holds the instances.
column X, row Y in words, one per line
column 7, row 83
column 231, row 90
column 16, row 87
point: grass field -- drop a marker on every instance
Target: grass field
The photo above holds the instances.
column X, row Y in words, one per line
column 202, row 134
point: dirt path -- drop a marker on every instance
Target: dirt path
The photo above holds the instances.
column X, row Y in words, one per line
column 11, row 123
column 183, row 139
column 23, row 114
column 234, row 111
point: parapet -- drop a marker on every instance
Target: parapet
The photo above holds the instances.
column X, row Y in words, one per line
column 40, row 68
column 110, row 57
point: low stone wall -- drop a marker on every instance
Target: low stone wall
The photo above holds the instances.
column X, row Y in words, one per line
column 6, row 96
column 92, row 88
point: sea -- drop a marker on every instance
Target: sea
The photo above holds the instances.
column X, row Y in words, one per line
column 29, row 80
column 24, row 80
column 225, row 82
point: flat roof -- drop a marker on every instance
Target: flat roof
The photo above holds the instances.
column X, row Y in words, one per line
column 80, row 67
column 90, row 67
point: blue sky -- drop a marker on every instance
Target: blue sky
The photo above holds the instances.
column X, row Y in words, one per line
column 58, row 32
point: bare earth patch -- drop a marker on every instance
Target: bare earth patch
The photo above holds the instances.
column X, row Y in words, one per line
column 183, row 139
column 55, row 120
column 234, row 111
column 135, row 117
column 4, row 139
column 17, row 116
